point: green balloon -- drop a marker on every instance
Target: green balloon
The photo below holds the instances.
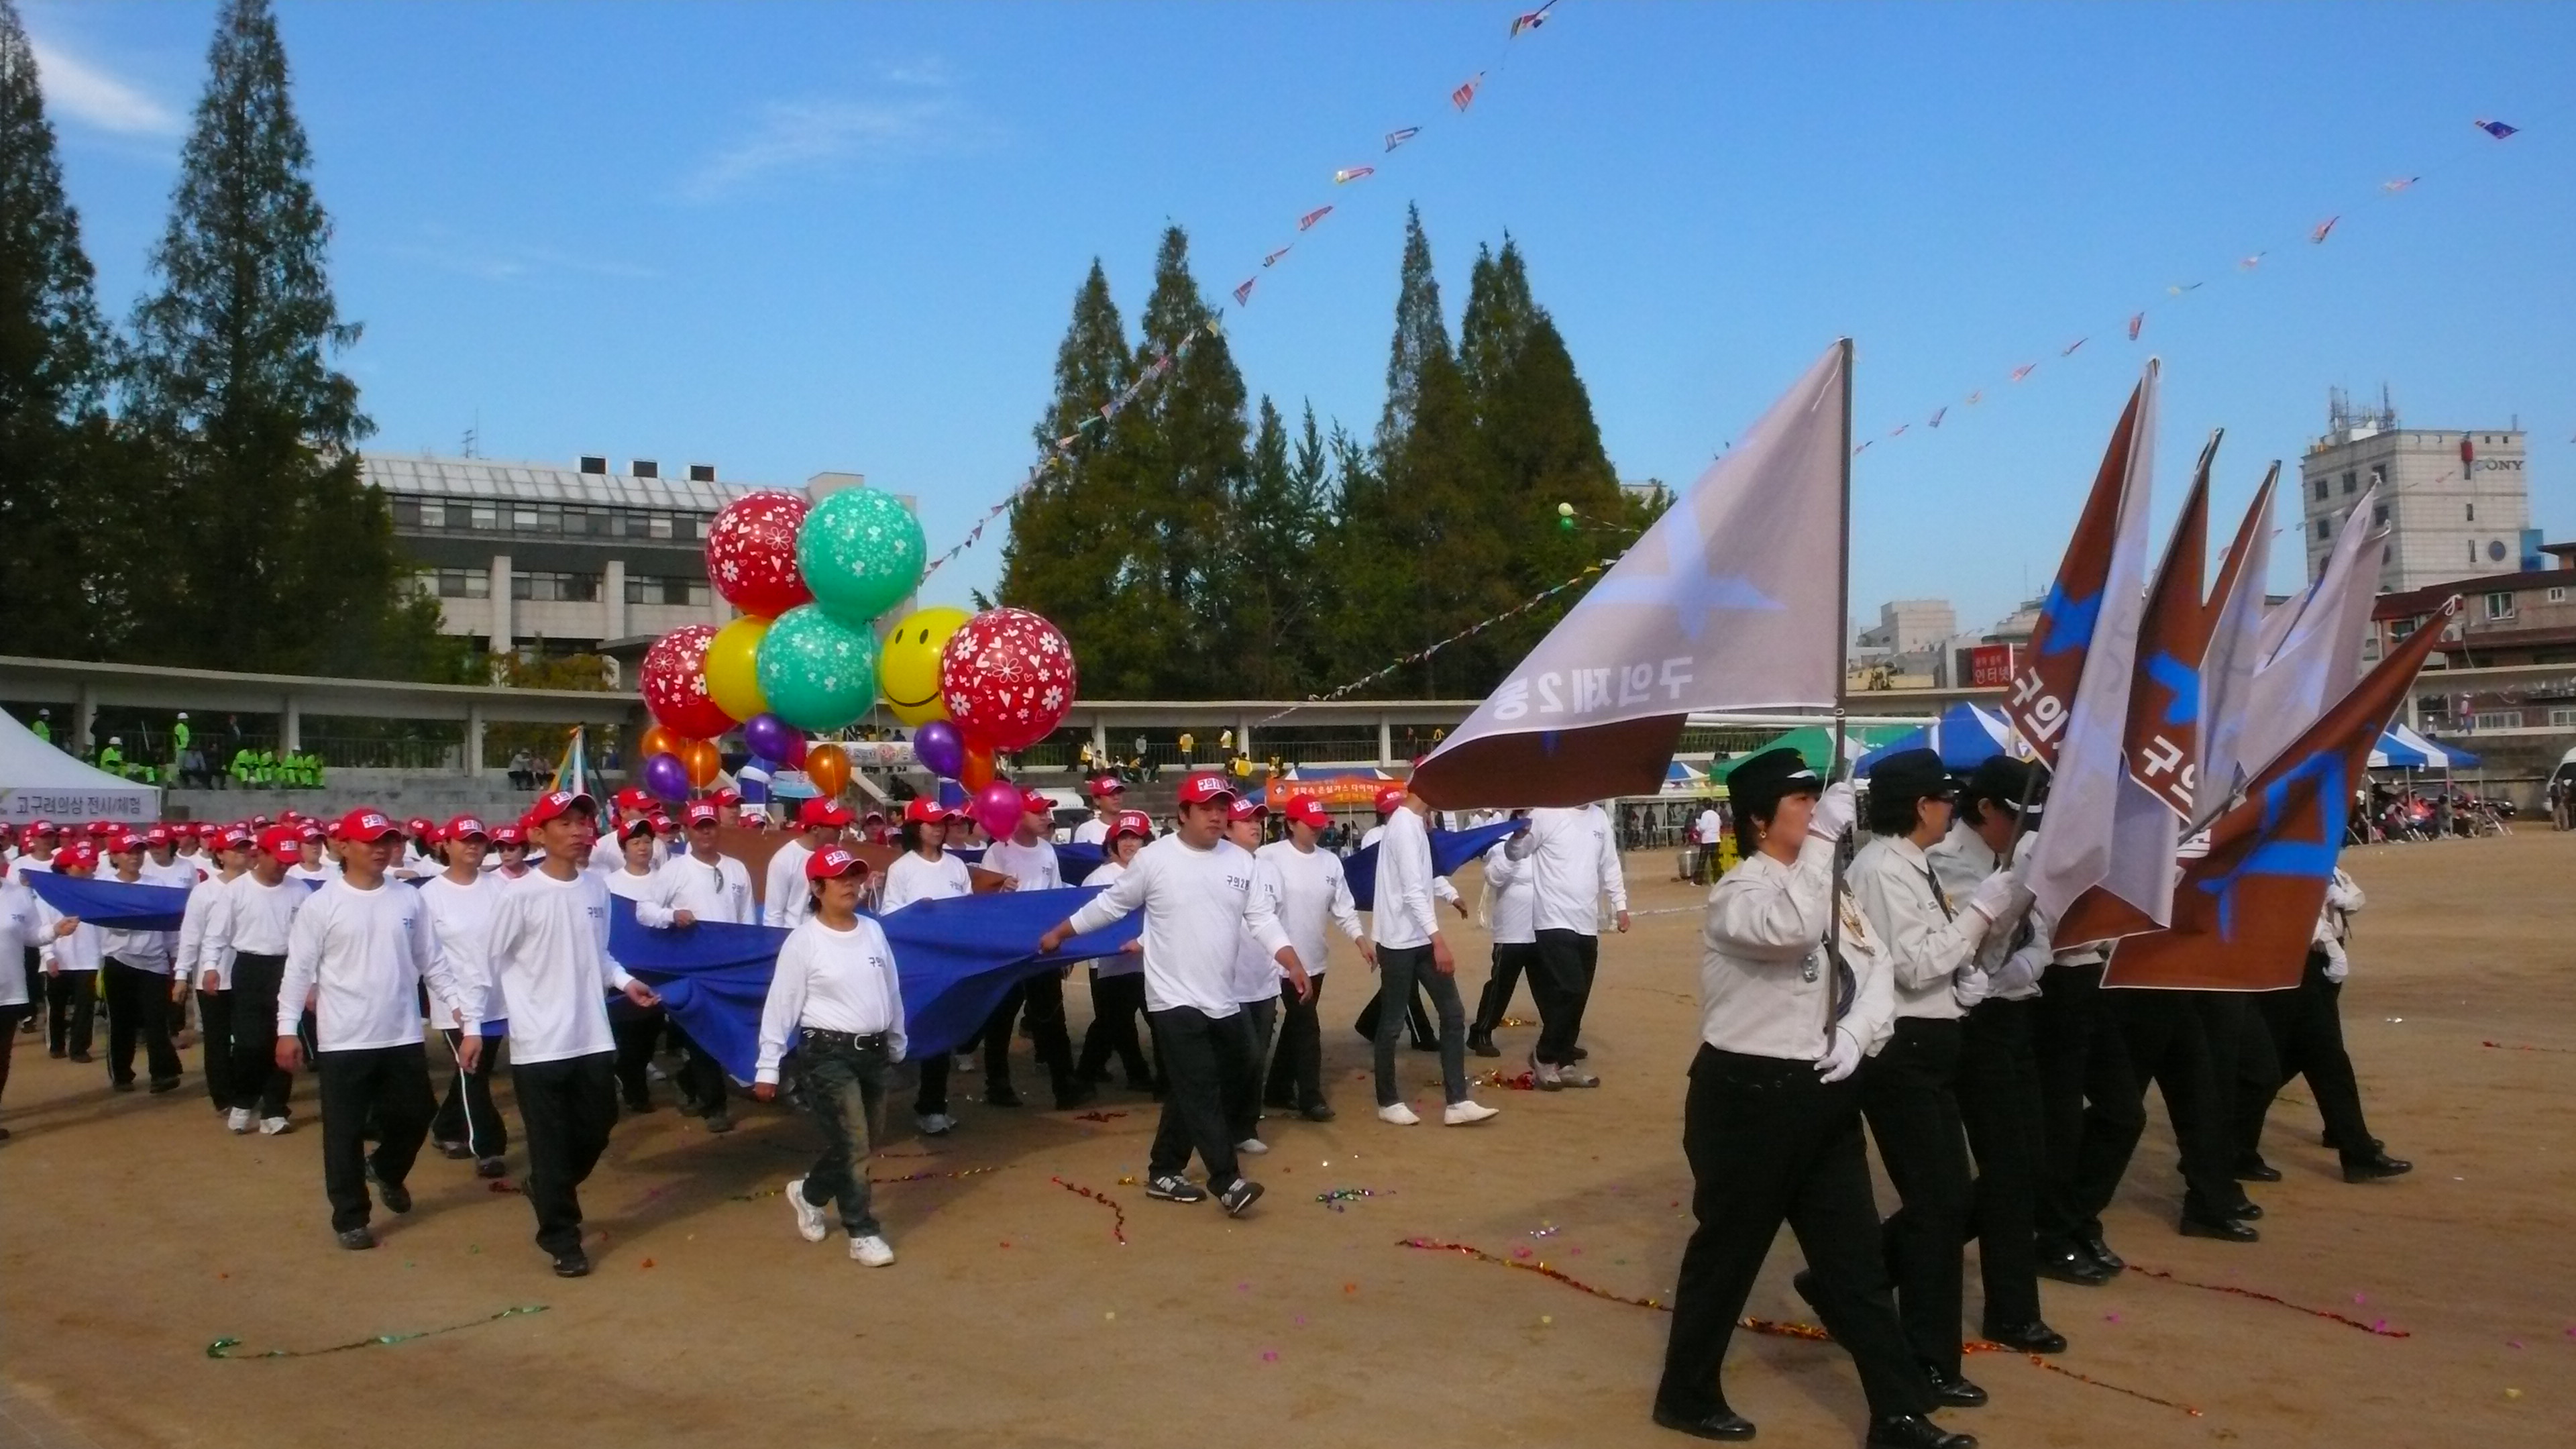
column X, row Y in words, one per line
column 817, row 673
column 861, row 553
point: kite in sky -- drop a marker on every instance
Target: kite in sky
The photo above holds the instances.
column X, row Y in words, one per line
column 1243, row 293
column 2323, row 228
column 1272, row 260
column 1352, row 173
column 1465, row 95
column 1398, row 138
column 2136, row 321
column 1307, row 222
column 2497, row 129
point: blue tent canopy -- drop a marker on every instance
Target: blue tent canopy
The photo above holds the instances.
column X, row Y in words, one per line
column 2392, row 753
column 1965, row 735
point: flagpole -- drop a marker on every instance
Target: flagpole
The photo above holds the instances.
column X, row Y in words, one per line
column 1842, row 574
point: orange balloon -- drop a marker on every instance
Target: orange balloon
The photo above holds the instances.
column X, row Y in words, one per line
column 828, row 766
column 977, row 771
column 703, row 761
column 659, row 740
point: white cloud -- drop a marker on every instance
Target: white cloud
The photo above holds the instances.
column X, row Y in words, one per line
column 812, row 134
column 76, row 90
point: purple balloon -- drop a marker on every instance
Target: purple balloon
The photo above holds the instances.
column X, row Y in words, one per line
column 666, row 778
column 998, row 807
column 940, row 748
column 769, row 736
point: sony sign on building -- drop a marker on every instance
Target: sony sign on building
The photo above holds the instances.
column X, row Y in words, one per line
column 2455, row 504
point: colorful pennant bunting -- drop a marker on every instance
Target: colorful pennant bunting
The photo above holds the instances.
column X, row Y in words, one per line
column 2323, row 229
column 1307, row 222
column 1243, row 294
column 1399, row 137
column 1465, row 95
column 1349, row 174
column 2497, row 129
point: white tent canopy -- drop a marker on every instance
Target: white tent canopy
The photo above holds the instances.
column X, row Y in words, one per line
column 39, row 782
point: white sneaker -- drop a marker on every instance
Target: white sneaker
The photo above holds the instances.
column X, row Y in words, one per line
column 809, row 1218
column 275, row 1126
column 964, row 1062
column 934, row 1124
column 1461, row 1114
column 1253, row 1145
column 238, row 1119
column 1400, row 1115
column 1543, row 1075
column 873, row 1251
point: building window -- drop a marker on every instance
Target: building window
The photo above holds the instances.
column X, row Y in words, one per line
column 2370, row 648
column 2321, row 490
column 460, row 583
column 2500, row 606
column 2497, row 719
column 2473, row 553
column 406, row 512
column 2495, row 550
column 2400, row 628
column 2562, row 716
column 2557, row 596
column 2473, row 512
column 2348, row 483
column 2387, row 551
column 2378, row 515
column 2323, row 531
column 542, row 587
column 672, row 590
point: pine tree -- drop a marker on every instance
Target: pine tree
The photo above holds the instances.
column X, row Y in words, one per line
column 1272, row 584
column 290, row 563
column 1195, row 465
column 69, row 551
column 1421, row 335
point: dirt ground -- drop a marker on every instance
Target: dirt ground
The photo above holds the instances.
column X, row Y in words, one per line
column 133, row 1231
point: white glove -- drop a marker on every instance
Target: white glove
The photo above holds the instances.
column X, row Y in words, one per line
column 1840, row 1059
column 1835, row 811
column 1968, row 986
column 2020, row 971
column 2000, row 897
column 2338, row 965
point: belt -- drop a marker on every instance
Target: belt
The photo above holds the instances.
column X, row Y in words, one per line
column 859, row 1040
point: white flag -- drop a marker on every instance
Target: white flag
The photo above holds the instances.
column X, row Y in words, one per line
column 2227, row 671
column 2318, row 654
column 1731, row 601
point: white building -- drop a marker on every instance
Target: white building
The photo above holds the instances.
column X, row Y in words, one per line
column 2455, row 504
column 1911, row 626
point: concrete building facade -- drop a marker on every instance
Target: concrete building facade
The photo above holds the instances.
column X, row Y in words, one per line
column 2456, row 504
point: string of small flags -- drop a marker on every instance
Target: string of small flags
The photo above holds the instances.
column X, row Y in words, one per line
column 1417, row 656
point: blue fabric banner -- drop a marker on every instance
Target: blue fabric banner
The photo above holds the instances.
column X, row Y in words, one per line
column 1450, row 849
column 110, row 902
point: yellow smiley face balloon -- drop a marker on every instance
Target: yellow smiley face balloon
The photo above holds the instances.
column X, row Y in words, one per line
column 908, row 666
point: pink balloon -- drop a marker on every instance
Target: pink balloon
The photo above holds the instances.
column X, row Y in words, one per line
column 998, row 807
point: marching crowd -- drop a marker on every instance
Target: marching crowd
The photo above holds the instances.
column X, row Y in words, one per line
column 1910, row 990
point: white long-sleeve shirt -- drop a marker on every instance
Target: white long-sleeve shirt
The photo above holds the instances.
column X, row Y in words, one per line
column 256, row 919
column 1194, row 902
column 1766, row 985
column 364, row 954
column 142, row 950
column 832, row 981
column 1094, row 831
column 1961, row 862
column 1116, row 963
column 1926, row 943
column 460, row 919
column 1295, row 894
column 1034, row 867
column 1441, row 888
column 1574, row 862
column 78, row 951
column 193, row 960
column 718, row 891
column 1514, row 894
column 17, row 933
column 912, row 878
column 550, row 960
column 1402, row 916
column 784, row 900
column 2334, row 923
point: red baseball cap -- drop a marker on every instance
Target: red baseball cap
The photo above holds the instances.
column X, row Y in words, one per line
column 124, row 844
column 726, row 797
column 833, row 861
column 662, row 824
column 231, row 837
column 467, row 827
column 1389, row 798
column 638, row 825
column 44, row 827
column 1205, row 789
column 1108, row 785
column 79, row 857
column 922, row 810
column 509, row 835
column 703, row 812
column 157, row 835
column 281, row 842
column 821, row 812
column 322, row 832
column 559, row 803
column 433, row 836
column 1035, row 802
column 102, row 827
column 262, row 821
column 1132, row 822
column 1246, row 808
column 419, row 825
column 633, row 798
column 1306, row 810
column 364, row 825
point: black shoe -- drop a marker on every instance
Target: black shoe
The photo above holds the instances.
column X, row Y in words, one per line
column 1001, row 1096
column 1072, row 1093
column 2246, row 1210
column 2377, row 1165
column 1720, row 1423
column 2252, row 1168
column 719, row 1121
column 1482, row 1044
column 453, row 1151
column 395, row 1196
column 1580, row 1054
column 572, row 1263
column 1318, row 1111
column 164, row 1084
column 2032, row 1337
column 1422, row 1044
column 1950, row 1391
column 1238, row 1199
column 692, row 1107
column 82, row 1057
column 2222, row 1229
column 1172, row 1187
column 122, row 1084
column 2102, row 1254
column 57, row 1053
column 1139, row 1084
column 357, row 1240
column 2074, row 1266
column 492, row 1167
column 1914, row 1431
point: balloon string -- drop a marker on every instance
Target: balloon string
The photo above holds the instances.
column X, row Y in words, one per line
column 2381, row 1328
column 223, row 1347
column 1118, row 1222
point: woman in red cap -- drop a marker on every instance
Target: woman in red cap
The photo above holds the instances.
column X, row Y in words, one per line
column 249, row 927
column 1028, row 861
column 462, row 902
column 1118, row 982
column 926, row 872
column 636, row 1028
column 836, row 1010
column 210, row 974
column 1300, row 889
column 72, row 959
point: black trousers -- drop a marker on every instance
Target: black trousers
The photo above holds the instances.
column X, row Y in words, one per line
column 215, row 1044
column 1417, row 1018
column 258, row 1084
column 1999, row 1104
column 1200, row 1054
column 1117, row 1003
column 1041, row 997
column 138, row 1005
column 1562, row 984
column 35, row 982
column 383, row 1088
column 2306, row 1027
column 1768, row 1142
column 71, row 1006
column 702, row 1077
column 2168, row 1038
column 1297, row 1066
column 635, row 1030
column 11, row 1017
column 2244, row 1068
column 2090, row 1105
column 1511, row 960
column 1909, row 1094
column 466, row 1113
column 566, row 1108
column 1243, row 1092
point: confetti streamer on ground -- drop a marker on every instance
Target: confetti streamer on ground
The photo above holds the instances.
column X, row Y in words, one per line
column 223, row 1347
column 2381, row 1328
column 880, row 1181
column 2502, row 1047
column 1334, row 1198
column 1097, row 1116
column 1118, row 1221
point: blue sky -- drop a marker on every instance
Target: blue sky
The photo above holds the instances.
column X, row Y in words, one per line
column 793, row 237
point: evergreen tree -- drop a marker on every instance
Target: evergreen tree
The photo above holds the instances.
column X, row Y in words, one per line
column 1187, row 482
column 290, row 563
column 1421, row 335
column 69, row 550
column 1272, row 581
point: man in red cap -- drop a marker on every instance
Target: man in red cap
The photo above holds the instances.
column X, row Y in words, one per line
column 249, row 925
column 1192, row 885
column 1027, row 859
column 362, row 945
column 784, row 901
column 136, row 980
column 72, row 960
column 1390, row 799
column 1256, row 988
column 702, row 884
column 36, row 847
column 1106, row 791
column 550, row 961
column 462, row 902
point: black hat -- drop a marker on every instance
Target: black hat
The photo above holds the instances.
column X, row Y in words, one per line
column 1757, row 783
column 1912, row 775
column 2007, row 781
